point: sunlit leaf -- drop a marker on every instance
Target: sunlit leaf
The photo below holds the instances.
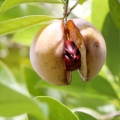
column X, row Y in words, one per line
column 9, row 78
column 84, row 94
column 84, row 116
column 31, row 79
column 79, row 87
column 112, row 39
column 24, row 10
column 1, row 1
column 12, row 102
column 115, row 11
column 22, row 22
column 26, row 36
column 81, row 1
column 99, row 11
column 10, row 3
column 100, row 84
column 55, row 110
column 102, row 20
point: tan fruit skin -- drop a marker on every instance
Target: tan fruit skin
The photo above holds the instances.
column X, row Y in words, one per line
column 95, row 47
column 47, row 52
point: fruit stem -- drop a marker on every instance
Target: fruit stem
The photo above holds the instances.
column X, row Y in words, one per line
column 65, row 11
column 69, row 10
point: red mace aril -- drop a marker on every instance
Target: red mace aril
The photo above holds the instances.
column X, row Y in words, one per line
column 54, row 57
column 72, row 56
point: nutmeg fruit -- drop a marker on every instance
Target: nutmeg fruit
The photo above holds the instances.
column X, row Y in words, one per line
column 57, row 50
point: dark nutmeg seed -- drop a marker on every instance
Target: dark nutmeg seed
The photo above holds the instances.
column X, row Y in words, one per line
column 72, row 56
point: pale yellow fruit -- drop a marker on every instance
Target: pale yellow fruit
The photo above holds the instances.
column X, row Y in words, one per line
column 47, row 51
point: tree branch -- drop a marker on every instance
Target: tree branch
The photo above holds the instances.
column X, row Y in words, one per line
column 111, row 115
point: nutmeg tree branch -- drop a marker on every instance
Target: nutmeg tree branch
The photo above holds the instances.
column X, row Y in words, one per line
column 65, row 11
column 111, row 115
column 69, row 10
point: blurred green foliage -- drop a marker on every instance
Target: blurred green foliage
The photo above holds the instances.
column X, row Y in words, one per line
column 23, row 92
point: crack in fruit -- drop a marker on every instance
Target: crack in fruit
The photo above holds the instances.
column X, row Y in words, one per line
column 72, row 56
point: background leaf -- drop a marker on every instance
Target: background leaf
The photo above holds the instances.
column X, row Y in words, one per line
column 26, row 36
column 3, row 71
column 96, row 86
column 55, row 110
column 79, row 93
column 28, row 73
column 105, row 24
column 12, row 102
column 99, row 11
column 10, row 3
column 115, row 11
column 25, row 10
column 84, row 116
column 20, row 23
column 112, row 37
column 81, row 1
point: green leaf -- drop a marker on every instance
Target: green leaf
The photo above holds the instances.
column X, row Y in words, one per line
column 81, row 1
column 1, row 1
column 55, row 110
column 112, row 39
column 119, row 78
column 26, row 36
column 12, row 102
column 99, row 11
column 31, row 78
column 102, row 86
column 20, row 23
column 9, row 78
column 102, row 20
column 80, row 93
column 95, row 86
column 24, row 10
column 115, row 11
column 10, row 3
column 84, row 116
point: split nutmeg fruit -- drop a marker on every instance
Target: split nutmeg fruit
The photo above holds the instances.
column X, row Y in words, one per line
column 57, row 50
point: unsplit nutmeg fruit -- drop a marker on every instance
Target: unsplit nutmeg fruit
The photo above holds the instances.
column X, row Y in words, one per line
column 57, row 50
